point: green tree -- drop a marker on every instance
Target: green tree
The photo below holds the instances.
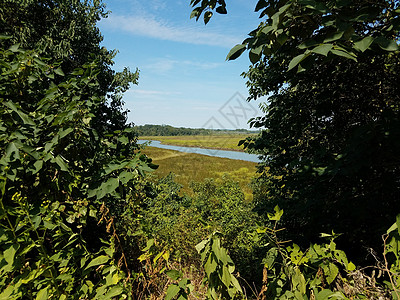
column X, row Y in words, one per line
column 65, row 170
column 66, row 31
column 331, row 126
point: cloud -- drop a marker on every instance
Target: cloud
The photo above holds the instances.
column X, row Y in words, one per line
column 164, row 65
column 149, row 27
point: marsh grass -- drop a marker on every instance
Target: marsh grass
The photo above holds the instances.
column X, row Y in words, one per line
column 189, row 167
column 226, row 141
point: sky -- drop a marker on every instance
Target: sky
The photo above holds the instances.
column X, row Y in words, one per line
column 184, row 78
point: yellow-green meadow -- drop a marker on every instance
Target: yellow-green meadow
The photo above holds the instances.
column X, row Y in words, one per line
column 189, row 167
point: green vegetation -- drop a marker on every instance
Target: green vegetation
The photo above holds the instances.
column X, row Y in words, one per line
column 223, row 141
column 167, row 130
column 81, row 218
column 188, row 167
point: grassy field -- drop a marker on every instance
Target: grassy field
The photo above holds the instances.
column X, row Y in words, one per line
column 189, row 167
column 226, row 141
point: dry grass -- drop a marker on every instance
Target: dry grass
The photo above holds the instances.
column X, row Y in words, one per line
column 189, row 167
column 226, row 141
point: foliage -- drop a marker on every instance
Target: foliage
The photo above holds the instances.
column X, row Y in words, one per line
column 167, row 130
column 330, row 138
column 180, row 222
column 63, row 173
column 181, row 289
column 293, row 274
column 219, row 267
column 392, row 258
column 320, row 272
column 66, row 32
column 313, row 28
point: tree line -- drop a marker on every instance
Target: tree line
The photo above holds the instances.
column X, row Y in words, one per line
column 167, row 130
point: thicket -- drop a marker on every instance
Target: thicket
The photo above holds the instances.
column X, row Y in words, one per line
column 80, row 219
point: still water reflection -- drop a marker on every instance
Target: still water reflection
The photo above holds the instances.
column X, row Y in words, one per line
column 205, row 151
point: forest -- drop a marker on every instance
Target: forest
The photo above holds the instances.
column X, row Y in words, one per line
column 168, row 130
column 83, row 215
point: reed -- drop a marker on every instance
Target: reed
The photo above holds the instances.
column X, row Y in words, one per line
column 189, row 167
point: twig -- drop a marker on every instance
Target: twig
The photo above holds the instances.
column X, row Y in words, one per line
column 385, row 237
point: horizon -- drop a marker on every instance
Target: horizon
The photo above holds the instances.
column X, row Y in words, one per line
column 184, row 79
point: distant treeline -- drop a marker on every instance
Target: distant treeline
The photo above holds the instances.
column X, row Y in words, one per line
column 167, row 130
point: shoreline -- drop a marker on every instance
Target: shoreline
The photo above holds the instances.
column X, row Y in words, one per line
column 190, row 146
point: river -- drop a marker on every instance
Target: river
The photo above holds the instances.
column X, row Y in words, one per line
column 205, row 151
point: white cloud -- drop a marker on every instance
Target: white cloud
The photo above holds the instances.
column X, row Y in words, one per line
column 149, row 27
column 164, row 65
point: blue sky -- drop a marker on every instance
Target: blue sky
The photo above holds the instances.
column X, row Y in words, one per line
column 184, row 78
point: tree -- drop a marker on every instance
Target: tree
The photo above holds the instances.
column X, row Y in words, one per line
column 65, row 170
column 65, row 30
column 331, row 127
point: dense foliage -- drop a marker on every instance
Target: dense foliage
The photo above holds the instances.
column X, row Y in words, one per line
column 64, row 171
column 331, row 130
column 167, row 130
column 180, row 222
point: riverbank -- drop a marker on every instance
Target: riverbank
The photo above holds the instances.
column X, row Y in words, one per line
column 219, row 142
column 189, row 167
column 236, row 155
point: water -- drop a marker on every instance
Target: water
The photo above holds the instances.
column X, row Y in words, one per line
column 205, row 151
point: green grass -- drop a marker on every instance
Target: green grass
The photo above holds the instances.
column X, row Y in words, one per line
column 189, row 167
column 226, row 141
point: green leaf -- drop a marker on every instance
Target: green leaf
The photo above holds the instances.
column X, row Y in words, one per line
column 149, row 244
column 125, row 177
column 114, row 292
column 295, row 61
column 255, row 55
column 200, row 246
column 100, row 260
column 9, row 254
column 211, row 264
column 174, row 274
column 12, row 152
column 14, row 48
column 207, row 17
column 61, row 163
column 195, row 13
column 58, row 71
column 278, row 214
column 221, row 10
column 386, row 44
column 333, row 271
column 107, row 187
column 269, row 260
column 172, row 291
column 344, row 54
column 333, row 37
column 42, row 294
column 322, row 49
column 260, row 5
column 351, row 267
column 236, row 52
column 38, row 165
column 364, row 43
column 226, row 276
column 24, row 117
column 65, row 132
